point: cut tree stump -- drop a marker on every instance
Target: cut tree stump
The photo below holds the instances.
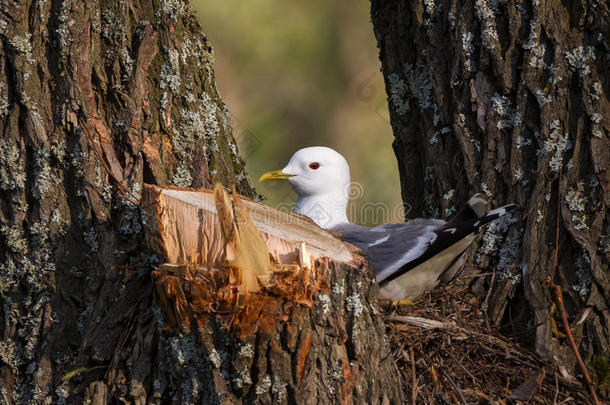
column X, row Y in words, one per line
column 301, row 332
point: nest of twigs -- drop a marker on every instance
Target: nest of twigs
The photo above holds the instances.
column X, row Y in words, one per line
column 446, row 354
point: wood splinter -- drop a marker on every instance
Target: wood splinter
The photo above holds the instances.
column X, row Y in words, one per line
column 245, row 250
column 226, row 254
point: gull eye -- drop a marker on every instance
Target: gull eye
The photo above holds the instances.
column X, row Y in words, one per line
column 314, row 166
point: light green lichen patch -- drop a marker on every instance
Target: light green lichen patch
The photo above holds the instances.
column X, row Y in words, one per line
column 493, row 237
column 126, row 64
column 398, row 92
column 192, row 49
column 584, row 276
column 278, row 389
column 486, row 14
column 263, row 386
column 518, row 174
column 575, row 198
column 543, row 98
column 3, row 100
column 507, row 255
column 596, row 91
column 170, row 71
column 419, row 79
column 508, row 116
column 61, row 224
column 183, row 362
column 141, row 29
column 172, row 9
column 96, row 22
column 468, row 51
column 241, row 379
column 521, row 141
column 78, row 160
column 182, row 176
column 198, row 129
column 596, row 118
column 537, row 56
column 215, row 358
column 556, row 144
column 324, row 300
column 554, row 76
column 102, row 185
column 62, row 392
column 579, row 58
column 112, row 27
column 338, row 289
column 14, row 239
column 130, row 222
column 43, row 174
column 23, row 46
column 91, row 239
column 64, row 35
column 246, row 351
column 58, row 150
column 532, row 39
column 354, row 304
column 27, row 264
column 12, row 173
column 9, row 354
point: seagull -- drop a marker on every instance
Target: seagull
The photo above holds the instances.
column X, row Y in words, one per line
column 407, row 258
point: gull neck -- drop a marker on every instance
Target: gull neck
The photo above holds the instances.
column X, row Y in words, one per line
column 326, row 210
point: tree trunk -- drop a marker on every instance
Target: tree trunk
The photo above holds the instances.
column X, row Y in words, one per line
column 510, row 99
column 97, row 98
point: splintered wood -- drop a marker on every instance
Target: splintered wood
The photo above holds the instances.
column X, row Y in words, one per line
column 189, row 295
column 245, row 250
column 248, row 265
column 183, row 226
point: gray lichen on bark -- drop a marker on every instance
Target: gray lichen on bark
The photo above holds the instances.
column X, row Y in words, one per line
column 81, row 131
column 522, row 88
column 97, row 98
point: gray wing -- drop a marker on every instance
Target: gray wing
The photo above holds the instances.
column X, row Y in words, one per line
column 388, row 247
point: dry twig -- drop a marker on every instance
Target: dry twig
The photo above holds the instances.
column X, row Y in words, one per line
column 414, row 388
column 556, row 292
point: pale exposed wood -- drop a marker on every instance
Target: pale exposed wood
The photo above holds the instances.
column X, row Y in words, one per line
column 245, row 249
column 304, row 257
column 184, row 225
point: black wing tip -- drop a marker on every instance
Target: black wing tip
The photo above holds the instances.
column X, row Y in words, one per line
column 504, row 209
column 494, row 214
column 457, row 231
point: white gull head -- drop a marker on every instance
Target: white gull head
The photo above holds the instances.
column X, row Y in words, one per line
column 320, row 176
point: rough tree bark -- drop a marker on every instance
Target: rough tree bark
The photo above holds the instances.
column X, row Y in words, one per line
column 510, row 98
column 97, row 98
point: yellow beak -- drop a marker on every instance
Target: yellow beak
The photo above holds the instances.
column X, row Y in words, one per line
column 274, row 175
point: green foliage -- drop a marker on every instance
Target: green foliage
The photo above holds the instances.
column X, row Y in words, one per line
column 296, row 75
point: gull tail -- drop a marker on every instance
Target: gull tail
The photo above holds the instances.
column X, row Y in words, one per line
column 449, row 241
column 474, row 209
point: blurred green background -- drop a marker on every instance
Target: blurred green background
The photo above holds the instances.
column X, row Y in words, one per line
column 303, row 74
